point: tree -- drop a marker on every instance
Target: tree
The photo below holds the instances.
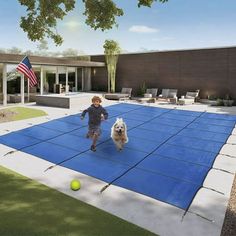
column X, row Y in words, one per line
column 42, row 48
column 28, row 53
column 14, row 50
column 42, row 16
column 2, row 50
column 111, row 51
column 70, row 52
column 43, row 45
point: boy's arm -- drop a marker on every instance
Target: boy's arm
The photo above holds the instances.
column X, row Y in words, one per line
column 105, row 114
column 83, row 114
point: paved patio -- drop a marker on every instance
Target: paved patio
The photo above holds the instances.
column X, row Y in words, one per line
column 205, row 216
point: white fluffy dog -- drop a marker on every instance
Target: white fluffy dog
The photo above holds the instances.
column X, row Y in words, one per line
column 119, row 133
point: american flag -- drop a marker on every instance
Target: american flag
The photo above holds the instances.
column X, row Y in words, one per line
column 26, row 68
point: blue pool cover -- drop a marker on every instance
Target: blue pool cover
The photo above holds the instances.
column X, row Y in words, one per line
column 168, row 155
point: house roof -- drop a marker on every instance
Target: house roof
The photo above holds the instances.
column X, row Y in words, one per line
column 49, row 61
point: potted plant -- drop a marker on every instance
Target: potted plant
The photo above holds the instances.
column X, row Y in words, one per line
column 142, row 89
column 219, row 102
column 228, row 101
column 211, row 100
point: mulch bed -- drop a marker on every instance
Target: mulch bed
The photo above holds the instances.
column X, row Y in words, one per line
column 6, row 115
column 229, row 226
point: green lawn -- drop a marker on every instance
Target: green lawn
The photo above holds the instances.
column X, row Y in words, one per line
column 20, row 113
column 28, row 208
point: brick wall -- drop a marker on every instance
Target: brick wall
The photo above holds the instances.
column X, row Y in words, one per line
column 213, row 71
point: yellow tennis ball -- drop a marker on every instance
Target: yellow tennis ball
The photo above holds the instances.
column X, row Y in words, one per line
column 75, row 185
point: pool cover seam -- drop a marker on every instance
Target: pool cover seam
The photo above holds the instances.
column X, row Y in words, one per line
column 186, row 136
column 168, row 157
column 192, row 129
column 202, row 117
column 197, row 149
column 160, row 122
column 165, row 175
column 41, row 141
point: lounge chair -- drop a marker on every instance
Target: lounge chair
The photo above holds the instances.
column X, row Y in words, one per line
column 124, row 94
column 168, row 95
column 149, row 96
column 152, row 91
column 189, row 98
column 164, row 94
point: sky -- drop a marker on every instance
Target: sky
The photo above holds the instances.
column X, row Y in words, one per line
column 175, row 25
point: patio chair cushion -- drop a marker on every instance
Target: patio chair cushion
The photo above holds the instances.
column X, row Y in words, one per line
column 125, row 93
column 147, row 95
column 116, row 96
column 172, row 93
column 186, row 101
column 152, row 91
column 164, row 93
column 192, row 94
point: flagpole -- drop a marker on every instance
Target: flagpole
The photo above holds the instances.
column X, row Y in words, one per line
column 24, row 57
column 27, row 80
column 22, row 89
column 28, row 88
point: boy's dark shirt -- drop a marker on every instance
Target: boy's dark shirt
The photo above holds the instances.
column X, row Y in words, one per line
column 95, row 115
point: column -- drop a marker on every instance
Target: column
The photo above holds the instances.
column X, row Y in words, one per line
column 57, row 75
column 4, row 84
column 82, row 79
column 76, row 79
column 41, row 81
column 86, row 82
column 67, row 87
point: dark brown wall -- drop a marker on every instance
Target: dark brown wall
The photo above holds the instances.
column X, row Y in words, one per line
column 232, row 72
column 213, row 71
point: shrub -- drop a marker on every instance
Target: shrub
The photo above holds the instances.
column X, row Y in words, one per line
column 142, row 89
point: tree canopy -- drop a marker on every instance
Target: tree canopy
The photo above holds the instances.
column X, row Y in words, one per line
column 111, row 47
column 42, row 16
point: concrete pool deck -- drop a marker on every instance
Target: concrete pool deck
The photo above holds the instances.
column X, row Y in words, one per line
column 64, row 100
column 207, row 211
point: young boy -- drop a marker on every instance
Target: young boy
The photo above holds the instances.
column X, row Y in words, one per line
column 96, row 114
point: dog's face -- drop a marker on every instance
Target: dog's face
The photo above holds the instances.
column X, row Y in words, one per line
column 119, row 126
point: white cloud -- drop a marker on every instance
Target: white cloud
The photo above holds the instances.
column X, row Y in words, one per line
column 72, row 24
column 142, row 29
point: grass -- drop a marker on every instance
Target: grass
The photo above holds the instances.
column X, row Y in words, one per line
column 20, row 113
column 28, row 208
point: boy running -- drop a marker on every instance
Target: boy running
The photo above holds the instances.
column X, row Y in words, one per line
column 96, row 114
